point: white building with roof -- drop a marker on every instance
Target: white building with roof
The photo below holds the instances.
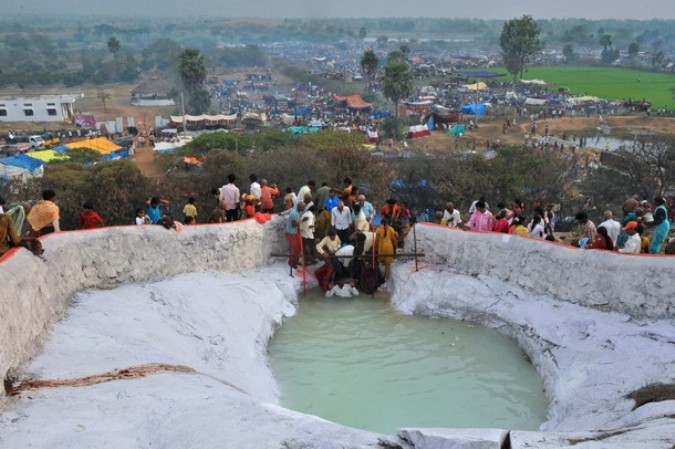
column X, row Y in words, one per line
column 38, row 108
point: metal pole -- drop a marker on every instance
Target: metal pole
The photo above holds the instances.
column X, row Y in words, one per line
column 302, row 254
column 182, row 102
column 373, row 263
column 399, row 255
column 415, row 244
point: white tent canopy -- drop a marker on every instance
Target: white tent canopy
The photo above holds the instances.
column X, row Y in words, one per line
column 534, row 82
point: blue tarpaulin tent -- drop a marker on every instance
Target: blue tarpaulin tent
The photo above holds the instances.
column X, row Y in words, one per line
column 22, row 161
column 379, row 114
column 472, row 108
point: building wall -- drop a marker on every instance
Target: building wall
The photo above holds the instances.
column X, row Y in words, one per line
column 152, row 102
column 56, row 108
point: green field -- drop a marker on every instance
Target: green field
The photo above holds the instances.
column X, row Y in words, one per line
column 609, row 82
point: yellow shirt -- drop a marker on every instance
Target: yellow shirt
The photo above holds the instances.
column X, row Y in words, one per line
column 521, row 231
column 190, row 211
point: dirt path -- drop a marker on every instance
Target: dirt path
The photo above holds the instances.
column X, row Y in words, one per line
column 145, row 160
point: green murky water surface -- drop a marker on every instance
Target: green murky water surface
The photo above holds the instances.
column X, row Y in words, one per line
column 360, row 363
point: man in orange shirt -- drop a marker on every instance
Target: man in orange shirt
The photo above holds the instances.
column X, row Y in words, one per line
column 266, row 194
column 44, row 216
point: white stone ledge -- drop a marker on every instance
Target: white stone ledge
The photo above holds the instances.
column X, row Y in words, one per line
column 639, row 285
column 35, row 293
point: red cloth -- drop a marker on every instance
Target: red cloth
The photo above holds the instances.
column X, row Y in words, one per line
column 262, row 218
column 324, row 275
column 598, row 243
column 295, row 248
column 90, row 220
column 501, row 225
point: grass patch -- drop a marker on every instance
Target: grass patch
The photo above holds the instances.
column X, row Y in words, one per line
column 613, row 83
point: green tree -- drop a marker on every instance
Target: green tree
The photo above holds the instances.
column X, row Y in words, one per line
column 104, row 97
column 369, row 63
column 633, row 50
column 200, row 102
column 520, row 41
column 397, row 82
column 131, row 69
column 405, row 51
column 659, row 60
column 162, row 53
column 114, row 46
column 607, row 55
column 363, row 33
column 568, row 53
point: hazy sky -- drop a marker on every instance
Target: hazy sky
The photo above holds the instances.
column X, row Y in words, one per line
column 487, row 9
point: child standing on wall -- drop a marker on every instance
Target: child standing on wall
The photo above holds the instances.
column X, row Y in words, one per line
column 141, row 218
column 190, row 210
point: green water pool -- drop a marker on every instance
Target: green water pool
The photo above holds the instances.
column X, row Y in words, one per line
column 360, row 363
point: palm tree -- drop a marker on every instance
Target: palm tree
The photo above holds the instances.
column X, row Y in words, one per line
column 397, row 82
column 192, row 69
column 114, row 46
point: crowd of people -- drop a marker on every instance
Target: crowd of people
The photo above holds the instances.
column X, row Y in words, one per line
column 356, row 241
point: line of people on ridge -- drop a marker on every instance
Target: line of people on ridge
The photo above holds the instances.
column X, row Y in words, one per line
column 629, row 235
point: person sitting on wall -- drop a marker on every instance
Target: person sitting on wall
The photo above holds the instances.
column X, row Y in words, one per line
column 8, row 235
column 44, row 216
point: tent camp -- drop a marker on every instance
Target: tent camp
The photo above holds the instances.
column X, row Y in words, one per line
column 295, row 130
column 475, row 87
column 9, row 173
column 541, row 83
column 48, row 155
column 22, row 161
column 536, row 101
column 457, row 130
column 353, row 101
column 202, row 120
column 475, row 109
column 417, row 131
column 100, row 145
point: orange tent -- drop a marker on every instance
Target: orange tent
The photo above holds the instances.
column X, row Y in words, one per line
column 99, row 144
column 353, row 101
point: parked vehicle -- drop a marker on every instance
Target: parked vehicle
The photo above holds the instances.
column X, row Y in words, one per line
column 13, row 150
column 34, row 142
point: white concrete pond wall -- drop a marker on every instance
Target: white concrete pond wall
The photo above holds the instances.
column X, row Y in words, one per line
column 35, row 293
column 537, row 293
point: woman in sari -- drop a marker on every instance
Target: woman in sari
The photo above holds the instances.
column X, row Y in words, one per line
column 387, row 242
